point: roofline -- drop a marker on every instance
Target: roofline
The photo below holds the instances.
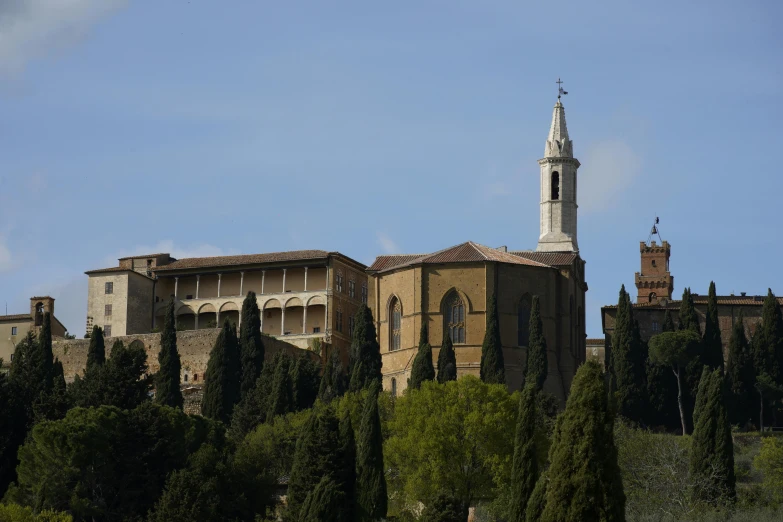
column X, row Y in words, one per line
column 117, row 270
column 357, row 264
column 476, row 262
column 145, row 255
column 165, row 271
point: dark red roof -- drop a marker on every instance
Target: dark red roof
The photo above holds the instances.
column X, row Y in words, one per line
column 110, row 269
column 387, row 261
column 548, row 258
column 246, row 259
column 749, row 300
column 16, row 317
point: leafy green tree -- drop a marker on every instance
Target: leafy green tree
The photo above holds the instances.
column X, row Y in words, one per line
column 767, row 390
column 17, row 513
column 422, row 370
column 713, row 344
column 584, row 478
column 167, row 390
column 537, row 365
column 250, row 344
column 689, row 320
column 347, row 474
column 305, row 381
column 628, row 363
column 662, row 388
column 365, row 351
column 96, row 353
column 371, row 497
column 770, row 462
column 447, row 359
column 739, row 374
column 525, row 470
column 452, row 438
column 125, row 383
column 492, row 369
column 333, row 379
column 221, row 388
column 675, row 350
column 280, row 400
column 445, row 508
column 712, row 449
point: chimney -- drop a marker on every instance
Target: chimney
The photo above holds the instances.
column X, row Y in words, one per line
column 502, row 248
column 742, row 294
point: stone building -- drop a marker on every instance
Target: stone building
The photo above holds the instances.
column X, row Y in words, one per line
column 304, row 295
column 14, row 328
column 450, row 290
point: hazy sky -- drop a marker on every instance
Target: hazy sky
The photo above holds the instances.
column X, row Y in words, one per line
column 203, row 127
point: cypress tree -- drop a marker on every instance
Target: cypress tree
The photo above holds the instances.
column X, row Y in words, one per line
column 713, row 344
column 347, row 476
column 447, row 360
column 769, row 349
column 45, row 357
column 537, row 503
column 446, row 508
column 689, row 320
column 280, row 399
column 537, row 365
column 323, row 504
column 584, row 477
column 524, row 473
column 332, row 381
column 701, row 395
column 739, row 374
column 167, row 391
column 422, row 370
column 365, row 351
column 305, row 381
column 493, row 369
column 221, row 387
column 371, row 499
column 628, row 363
column 96, row 353
column 250, row 344
column 252, row 409
column 52, row 405
column 662, row 388
column 712, row 449
column 668, row 322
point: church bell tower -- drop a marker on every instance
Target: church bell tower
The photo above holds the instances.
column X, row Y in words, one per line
column 558, row 188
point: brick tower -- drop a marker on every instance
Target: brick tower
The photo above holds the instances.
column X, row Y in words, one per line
column 654, row 282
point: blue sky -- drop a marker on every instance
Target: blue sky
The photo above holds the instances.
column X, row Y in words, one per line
column 203, row 127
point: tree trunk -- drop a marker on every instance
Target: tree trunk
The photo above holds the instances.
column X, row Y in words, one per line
column 679, row 399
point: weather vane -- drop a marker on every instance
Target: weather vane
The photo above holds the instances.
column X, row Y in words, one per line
column 654, row 231
column 560, row 91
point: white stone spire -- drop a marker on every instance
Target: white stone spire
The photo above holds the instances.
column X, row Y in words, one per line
column 558, row 188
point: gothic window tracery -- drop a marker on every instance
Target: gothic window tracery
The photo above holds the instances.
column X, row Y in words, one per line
column 395, row 328
column 455, row 318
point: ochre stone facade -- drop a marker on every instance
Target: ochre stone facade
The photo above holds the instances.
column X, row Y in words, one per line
column 14, row 328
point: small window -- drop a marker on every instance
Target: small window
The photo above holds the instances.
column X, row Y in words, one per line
column 652, row 297
column 316, row 329
column 364, row 293
column 189, row 296
column 653, row 263
column 107, row 330
column 107, row 309
column 157, row 299
column 186, row 377
column 13, row 330
column 352, row 289
column 655, row 326
column 394, row 387
column 350, row 325
column 338, row 321
column 109, row 288
column 338, row 282
column 555, row 185
column 12, row 357
column 195, row 377
column 149, row 265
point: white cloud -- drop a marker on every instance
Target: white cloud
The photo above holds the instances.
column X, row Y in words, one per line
column 610, row 168
column 31, row 28
column 495, row 189
column 168, row 246
column 387, row 244
column 5, row 256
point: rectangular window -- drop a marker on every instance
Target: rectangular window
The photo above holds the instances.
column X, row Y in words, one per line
column 109, row 288
column 339, row 321
column 107, row 310
column 364, row 293
column 352, row 289
column 13, row 330
column 338, row 282
column 655, row 326
column 107, row 330
column 189, row 296
column 350, row 325
column 316, row 329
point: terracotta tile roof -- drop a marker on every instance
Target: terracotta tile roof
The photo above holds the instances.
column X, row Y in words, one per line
column 16, row 317
column 143, row 255
column 463, row 253
column 110, row 269
column 548, row 258
column 247, row 259
column 749, row 300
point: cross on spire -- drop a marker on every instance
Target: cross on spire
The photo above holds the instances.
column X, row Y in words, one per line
column 560, row 90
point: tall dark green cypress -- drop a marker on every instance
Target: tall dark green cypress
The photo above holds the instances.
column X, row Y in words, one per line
column 305, row 381
column 668, row 322
column 280, row 399
column 167, row 380
column 769, row 348
column 537, row 364
column 493, row 369
column 371, row 496
column 628, row 363
column 96, row 353
column 365, row 361
column 221, row 386
column 250, row 343
column 537, row 502
column 423, row 369
column 447, row 359
column 524, row 473
column 739, row 375
column 689, row 320
column 347, row 476
column 713, row 344
column 45, row 355
column 333, row 380
column 712, row 449
column 662, row 388
column 584, row 477
column 324, row 502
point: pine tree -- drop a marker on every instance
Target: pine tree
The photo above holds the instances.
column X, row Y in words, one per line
column 423, row 369
column 739, row 374
column 584, row 477
column 492, row 365
column 712, row 449
column 628, row 363
column 365, row 351
column 280, row 401
column 167, row 390
column 713, row 344
column 333, row 380
column 371, row 499
column 250, row 344
column 221, row 387
column 447, row 360
column 323, row 503
column 524, row 473
column 347, row 476
column 96, row 353
column 537, row 365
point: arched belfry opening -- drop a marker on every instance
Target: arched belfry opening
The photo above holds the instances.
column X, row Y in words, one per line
column 555, row 186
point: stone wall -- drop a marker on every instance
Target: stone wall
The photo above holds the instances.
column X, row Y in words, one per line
column 193, row 346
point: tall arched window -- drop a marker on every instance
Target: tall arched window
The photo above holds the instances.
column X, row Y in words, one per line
column 394, row 387
column 395, row 324
column 555, row 185
column 652, row 297
column 455, row 318
column 523, row 321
